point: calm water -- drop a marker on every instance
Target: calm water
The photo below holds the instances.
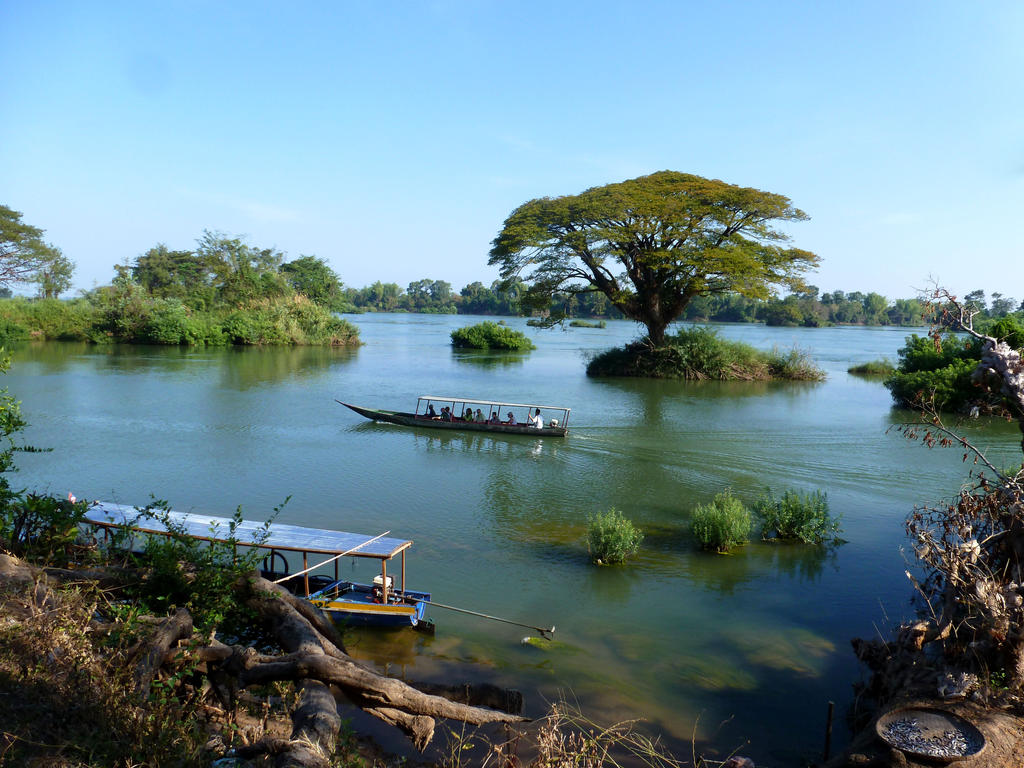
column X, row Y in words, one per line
column 685, row 639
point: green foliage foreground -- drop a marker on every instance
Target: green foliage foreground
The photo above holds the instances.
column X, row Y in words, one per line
column 700, row 353
column 611, row 538
column 488, row 335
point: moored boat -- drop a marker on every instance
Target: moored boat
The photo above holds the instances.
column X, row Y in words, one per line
column 379, row 604
column 459, row 413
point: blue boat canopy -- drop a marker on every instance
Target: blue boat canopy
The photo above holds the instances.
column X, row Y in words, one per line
column 295, row 538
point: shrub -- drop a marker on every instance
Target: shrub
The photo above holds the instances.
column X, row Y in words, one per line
column 588, row 324
column 797, row 516
column 880, row 367
column 611, row 538
column 488, row 335
column 722, row 524
column 950, row 387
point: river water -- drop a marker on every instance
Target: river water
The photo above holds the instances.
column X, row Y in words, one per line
column 738, row 650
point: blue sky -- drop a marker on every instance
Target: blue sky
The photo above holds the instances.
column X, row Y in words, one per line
column 392, row 139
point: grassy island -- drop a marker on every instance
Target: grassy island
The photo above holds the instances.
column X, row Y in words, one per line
column 700, row 353
column 488, row 335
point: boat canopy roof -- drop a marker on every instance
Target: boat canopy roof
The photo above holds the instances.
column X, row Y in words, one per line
column 441, row 399
column 294, row 538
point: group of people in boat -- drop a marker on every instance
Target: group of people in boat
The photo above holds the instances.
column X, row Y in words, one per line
column 478, row 416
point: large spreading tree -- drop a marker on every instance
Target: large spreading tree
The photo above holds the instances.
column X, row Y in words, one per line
column 651, row 245
column 25, row 257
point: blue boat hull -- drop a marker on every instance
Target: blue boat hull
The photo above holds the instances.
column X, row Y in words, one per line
column 354, row 604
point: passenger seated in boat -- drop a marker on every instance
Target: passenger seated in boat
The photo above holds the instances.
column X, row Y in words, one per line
column 537, row 420
column 446, row 414
column 431, row 413
column 479, row 417
column 511, row 419
column 494, row 418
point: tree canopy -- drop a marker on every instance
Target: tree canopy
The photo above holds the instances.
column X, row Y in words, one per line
column 651, row 245
column 24, row 257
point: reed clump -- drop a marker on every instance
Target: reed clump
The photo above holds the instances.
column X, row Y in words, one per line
column 797, row 516
column 611, row 537
column 880, row 367
column 723, row 524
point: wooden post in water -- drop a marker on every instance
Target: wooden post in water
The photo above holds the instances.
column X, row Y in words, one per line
column 828, row 730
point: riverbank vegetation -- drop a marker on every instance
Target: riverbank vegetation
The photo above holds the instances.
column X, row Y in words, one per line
column 701, row 353
column 223, row 292
column 488, row 335
column 967, row 641
column 942, row 369
column 612, row 538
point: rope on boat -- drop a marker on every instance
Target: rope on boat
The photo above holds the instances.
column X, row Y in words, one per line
column 331, row 559
column 543, row 632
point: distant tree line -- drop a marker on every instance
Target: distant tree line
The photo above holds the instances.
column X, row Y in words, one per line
column 224, row 291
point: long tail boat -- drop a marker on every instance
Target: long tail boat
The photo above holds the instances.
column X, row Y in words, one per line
column 435, row 412
column 378, row 604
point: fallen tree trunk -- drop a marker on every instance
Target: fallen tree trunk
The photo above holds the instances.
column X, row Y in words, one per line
column 314, row 659
column 167, row 633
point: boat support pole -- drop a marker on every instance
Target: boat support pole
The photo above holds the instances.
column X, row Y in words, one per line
column 331, row 559
column 545, row 633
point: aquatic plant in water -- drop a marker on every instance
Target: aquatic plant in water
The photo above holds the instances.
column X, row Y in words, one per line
column 611, row 538
column 722, row 524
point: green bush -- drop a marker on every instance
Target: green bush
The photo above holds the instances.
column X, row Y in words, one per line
column 588, row 324
column 722, row 524
column 797, row 516
column 488, row 335
column 11, row 331
column 700, row 353
column 880, row 367
column 1007, row 329
column 950, row 387
column 611, row 538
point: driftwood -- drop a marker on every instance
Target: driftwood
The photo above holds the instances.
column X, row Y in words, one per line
column 313, row 657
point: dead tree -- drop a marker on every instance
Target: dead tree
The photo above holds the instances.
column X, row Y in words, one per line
column 972, row 547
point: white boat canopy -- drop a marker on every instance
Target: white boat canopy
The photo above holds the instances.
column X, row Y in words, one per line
column 492, row 404
column 247, row 533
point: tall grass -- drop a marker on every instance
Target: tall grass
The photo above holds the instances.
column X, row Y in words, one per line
column 881, row 367
column 611, row 538
column 797, row 516
column 722, row 524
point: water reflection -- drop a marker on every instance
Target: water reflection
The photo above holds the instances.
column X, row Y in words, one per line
column 725, row 574
column 488, row 358
column 256, row 366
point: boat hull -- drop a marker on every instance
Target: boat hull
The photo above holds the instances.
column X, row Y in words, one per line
column 353, row 604
column 406, row 419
